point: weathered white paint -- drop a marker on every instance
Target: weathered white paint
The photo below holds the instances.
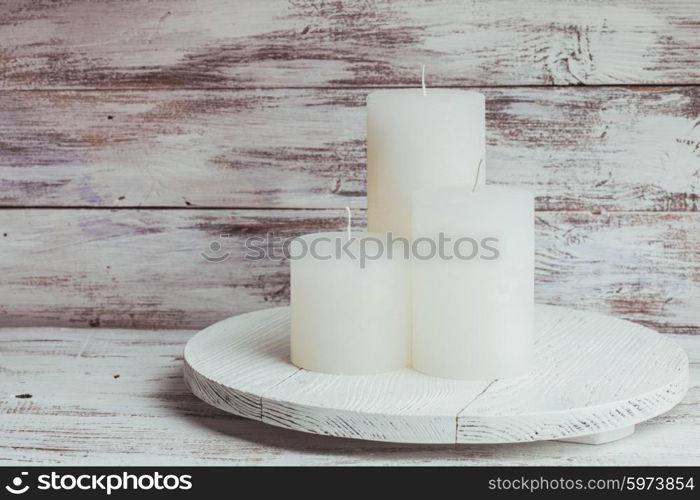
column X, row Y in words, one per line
column 217, row 43
column 574, row 148
column 592, row 374
column 260, row 104
column 126, row 268
column 257, row 359
column 595, row 374
column 79, row 414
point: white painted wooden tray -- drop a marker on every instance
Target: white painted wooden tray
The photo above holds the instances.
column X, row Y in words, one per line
column 595, row 377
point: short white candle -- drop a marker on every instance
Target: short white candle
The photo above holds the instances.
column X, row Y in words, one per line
column 473, row 316
column 349, row 317
column 418, row 139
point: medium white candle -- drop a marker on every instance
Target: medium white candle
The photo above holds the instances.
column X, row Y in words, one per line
column 473, row 299
column 349, row 316
column 419, row 138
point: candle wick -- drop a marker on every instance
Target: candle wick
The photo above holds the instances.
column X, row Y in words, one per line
column 422, row 79
column 478, row 169
column 347, row 209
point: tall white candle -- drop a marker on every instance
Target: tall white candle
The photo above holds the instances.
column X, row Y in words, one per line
column 418, row 139
column 473, row 297
column 350, row 310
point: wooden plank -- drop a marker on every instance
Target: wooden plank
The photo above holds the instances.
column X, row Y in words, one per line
column 289, row 43
column 400, row 406
column 146, row 416
column 141, row 268
column 576, row 149
column 126, row 268
column 250, row 363
column 640, row 267
column 595, row 374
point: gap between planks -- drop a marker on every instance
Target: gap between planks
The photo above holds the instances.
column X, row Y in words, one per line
column 467, row 406
column 265, row 393
column 310, row 208
column 353, row 87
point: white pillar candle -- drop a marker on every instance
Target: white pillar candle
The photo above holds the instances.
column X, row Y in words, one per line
column 415, row 139
column 349, row 315
column 473, row 304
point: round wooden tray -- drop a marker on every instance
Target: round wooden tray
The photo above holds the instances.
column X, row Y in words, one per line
column 595, row 377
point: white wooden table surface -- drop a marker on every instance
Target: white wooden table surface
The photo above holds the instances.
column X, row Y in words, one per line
column 117, row 397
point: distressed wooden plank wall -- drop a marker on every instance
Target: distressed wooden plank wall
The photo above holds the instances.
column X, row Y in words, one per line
column 133, row 134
